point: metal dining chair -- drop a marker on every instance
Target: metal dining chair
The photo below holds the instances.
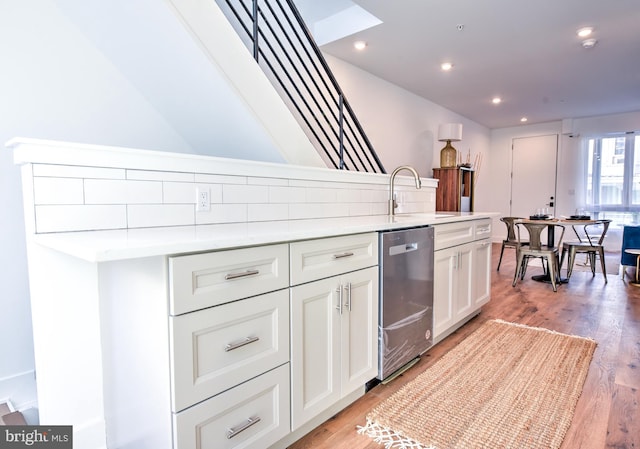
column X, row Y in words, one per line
column 590, row 242
column 536, row 249
column 511, row 241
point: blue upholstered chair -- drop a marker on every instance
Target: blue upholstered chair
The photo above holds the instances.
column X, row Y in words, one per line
column 630, row 239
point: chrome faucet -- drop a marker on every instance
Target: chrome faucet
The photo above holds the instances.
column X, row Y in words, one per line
column 392, row 201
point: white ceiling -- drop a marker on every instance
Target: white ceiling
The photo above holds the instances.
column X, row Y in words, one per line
column 527, row 52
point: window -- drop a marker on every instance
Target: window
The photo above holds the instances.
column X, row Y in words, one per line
column 613, row 177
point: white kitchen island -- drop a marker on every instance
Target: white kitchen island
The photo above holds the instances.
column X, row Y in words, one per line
column 112, row 233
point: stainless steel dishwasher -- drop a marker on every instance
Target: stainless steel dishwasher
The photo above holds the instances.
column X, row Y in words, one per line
column 405, row 328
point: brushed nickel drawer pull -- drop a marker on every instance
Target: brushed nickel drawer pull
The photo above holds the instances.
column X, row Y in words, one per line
column 241, row 343
column 231, row 276
column 236, row 430
column 348, row 289
column 340, row 256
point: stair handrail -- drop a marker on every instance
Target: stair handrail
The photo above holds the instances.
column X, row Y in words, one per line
column 354, row 151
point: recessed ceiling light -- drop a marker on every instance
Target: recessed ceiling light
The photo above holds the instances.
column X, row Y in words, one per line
column 496, row 100
column 446, row 66
column 523, row 119
column 589, row 43
column 584, row 32
column 360, row 45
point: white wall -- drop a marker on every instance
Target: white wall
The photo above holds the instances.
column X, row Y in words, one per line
column 52, row 85
column 55, row 83
column 571, row 160
column 402, row 126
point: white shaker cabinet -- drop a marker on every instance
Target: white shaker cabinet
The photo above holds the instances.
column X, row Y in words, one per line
column 334, row 346
column 453, row 281
column 462, row 273
column 249, row 347
column 229, row 347
column 482, row 276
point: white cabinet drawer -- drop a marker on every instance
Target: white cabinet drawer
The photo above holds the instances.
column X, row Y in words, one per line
column 259, row 406
column 482, row 229
column 214, row 349
column 452, row 234
column 198, row 281
column 322, row 258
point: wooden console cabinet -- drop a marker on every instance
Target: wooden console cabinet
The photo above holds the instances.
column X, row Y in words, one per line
column 455, row 189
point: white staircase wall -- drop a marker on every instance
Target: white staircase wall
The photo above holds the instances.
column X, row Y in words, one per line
column 210, row 28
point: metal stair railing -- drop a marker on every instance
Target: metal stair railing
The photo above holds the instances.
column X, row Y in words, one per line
column 276, row 34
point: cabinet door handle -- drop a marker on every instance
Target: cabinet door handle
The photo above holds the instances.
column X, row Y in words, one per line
column 232, row 432
column 342, row 255
column 348, row 289
column 241, row 343
column 339, row 306
column 232, row 276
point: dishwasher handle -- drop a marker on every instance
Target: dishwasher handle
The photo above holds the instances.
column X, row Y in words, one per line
column 403, row 248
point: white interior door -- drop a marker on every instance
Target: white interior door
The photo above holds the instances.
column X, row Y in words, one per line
column 533, row 174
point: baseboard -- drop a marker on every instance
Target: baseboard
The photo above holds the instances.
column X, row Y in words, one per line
column 20, row 389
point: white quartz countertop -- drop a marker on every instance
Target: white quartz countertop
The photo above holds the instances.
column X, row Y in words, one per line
column 112, row 245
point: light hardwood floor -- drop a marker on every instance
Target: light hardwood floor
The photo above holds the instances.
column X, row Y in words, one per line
column 608, row 412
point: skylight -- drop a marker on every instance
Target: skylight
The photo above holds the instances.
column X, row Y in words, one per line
column 331, row 20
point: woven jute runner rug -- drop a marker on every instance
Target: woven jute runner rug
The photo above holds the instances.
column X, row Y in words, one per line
column 504, row 386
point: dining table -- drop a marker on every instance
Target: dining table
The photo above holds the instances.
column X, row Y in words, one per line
column 572, row 221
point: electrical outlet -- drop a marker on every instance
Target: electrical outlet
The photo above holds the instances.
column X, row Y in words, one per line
column 203, row 200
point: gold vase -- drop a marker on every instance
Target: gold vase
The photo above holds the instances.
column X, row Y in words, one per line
column 448, row 156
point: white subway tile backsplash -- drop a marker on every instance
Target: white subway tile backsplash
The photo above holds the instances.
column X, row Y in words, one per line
column 80, row 218
column 287, row 194
column 215, row 192
column 223, row 213
column 146, row 175
column 309, row 183
column 309, row 210
column 71, row 171
column 179, row 193
column 220, row 179
column 267, row 212
column 359, row 209
column 244, row 194
column 379, row 195
column 186, row 192
column 58, row 191
column 350, row 196
column 150, row 215
column 413, row 195
column 367, row 195
column 411, row 208
column 380, row 208
column 322, row 195
column 76, row 198
column 267, row 181
column 322, row 184
column 103, row 191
